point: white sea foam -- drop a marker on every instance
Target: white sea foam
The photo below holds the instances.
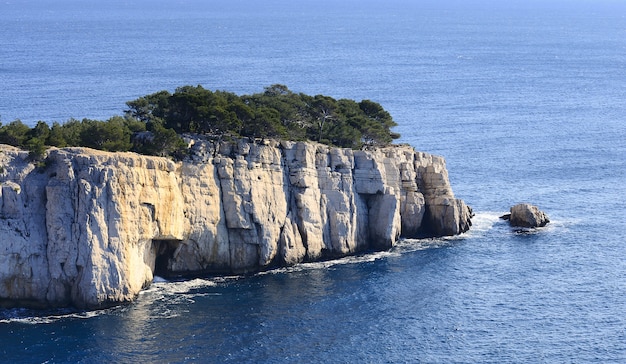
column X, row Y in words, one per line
column 158, row 279
column 174, row 292
column 32, row 317
column 185, row 286
column 485, row 221
column 177, row 291
column 403, row 246
column 326, row 264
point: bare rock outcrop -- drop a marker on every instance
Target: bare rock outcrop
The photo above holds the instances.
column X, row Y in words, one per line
column 526, row 216
column 91, row 228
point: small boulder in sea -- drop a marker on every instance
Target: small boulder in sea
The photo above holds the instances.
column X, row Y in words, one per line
column 527, row 216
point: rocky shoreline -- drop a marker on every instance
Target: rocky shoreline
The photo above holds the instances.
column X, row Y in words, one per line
column 90, row 229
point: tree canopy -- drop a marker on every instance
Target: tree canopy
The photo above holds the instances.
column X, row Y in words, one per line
column 277, row 112
column 152, row 124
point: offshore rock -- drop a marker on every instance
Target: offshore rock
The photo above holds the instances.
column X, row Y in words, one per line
column 92, row 228
column 527, row 216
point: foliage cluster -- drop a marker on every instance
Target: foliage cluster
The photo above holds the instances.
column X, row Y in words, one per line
column 275, row 113
column 153, row 123
column 117, row 134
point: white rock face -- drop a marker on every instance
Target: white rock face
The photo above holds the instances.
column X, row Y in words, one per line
column 527, row 215
column 91, row 228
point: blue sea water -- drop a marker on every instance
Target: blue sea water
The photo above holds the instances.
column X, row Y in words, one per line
column 526, row 99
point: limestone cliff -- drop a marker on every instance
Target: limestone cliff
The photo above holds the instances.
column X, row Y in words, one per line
column 91, row 228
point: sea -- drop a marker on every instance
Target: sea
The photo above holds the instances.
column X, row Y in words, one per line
column 526, row 100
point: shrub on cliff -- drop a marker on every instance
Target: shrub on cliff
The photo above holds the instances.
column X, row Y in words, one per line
column 20, row 135
column 159, row 141
column 112, row 136
column 15, row 133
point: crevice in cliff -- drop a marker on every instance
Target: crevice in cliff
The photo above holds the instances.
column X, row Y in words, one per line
column 428, row 227
column 292, row 209
column 164, row 253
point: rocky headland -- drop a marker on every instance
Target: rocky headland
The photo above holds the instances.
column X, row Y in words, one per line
column 91, row 229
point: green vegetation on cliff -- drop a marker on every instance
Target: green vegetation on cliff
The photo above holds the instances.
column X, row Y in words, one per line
column 153, row 123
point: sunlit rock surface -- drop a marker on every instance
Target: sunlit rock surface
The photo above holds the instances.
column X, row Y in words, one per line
column 91, row 228
column 528, row 216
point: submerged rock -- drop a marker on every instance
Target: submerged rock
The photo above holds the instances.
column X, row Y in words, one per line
column 92, row 228
column 527, row 216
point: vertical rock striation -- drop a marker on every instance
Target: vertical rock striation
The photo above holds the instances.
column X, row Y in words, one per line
column 91, row 228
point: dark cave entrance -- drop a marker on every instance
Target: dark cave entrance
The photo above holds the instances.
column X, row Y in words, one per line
column 164, row 251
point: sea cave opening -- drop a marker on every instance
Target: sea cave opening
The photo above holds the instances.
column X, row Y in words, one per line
column 164, row 253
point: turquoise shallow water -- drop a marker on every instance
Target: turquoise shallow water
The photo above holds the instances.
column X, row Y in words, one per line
column 525, row 99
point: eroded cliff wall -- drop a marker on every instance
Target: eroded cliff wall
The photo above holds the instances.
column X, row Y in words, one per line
column 91, row 228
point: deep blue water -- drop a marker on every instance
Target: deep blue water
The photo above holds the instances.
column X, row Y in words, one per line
column 525, row 99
